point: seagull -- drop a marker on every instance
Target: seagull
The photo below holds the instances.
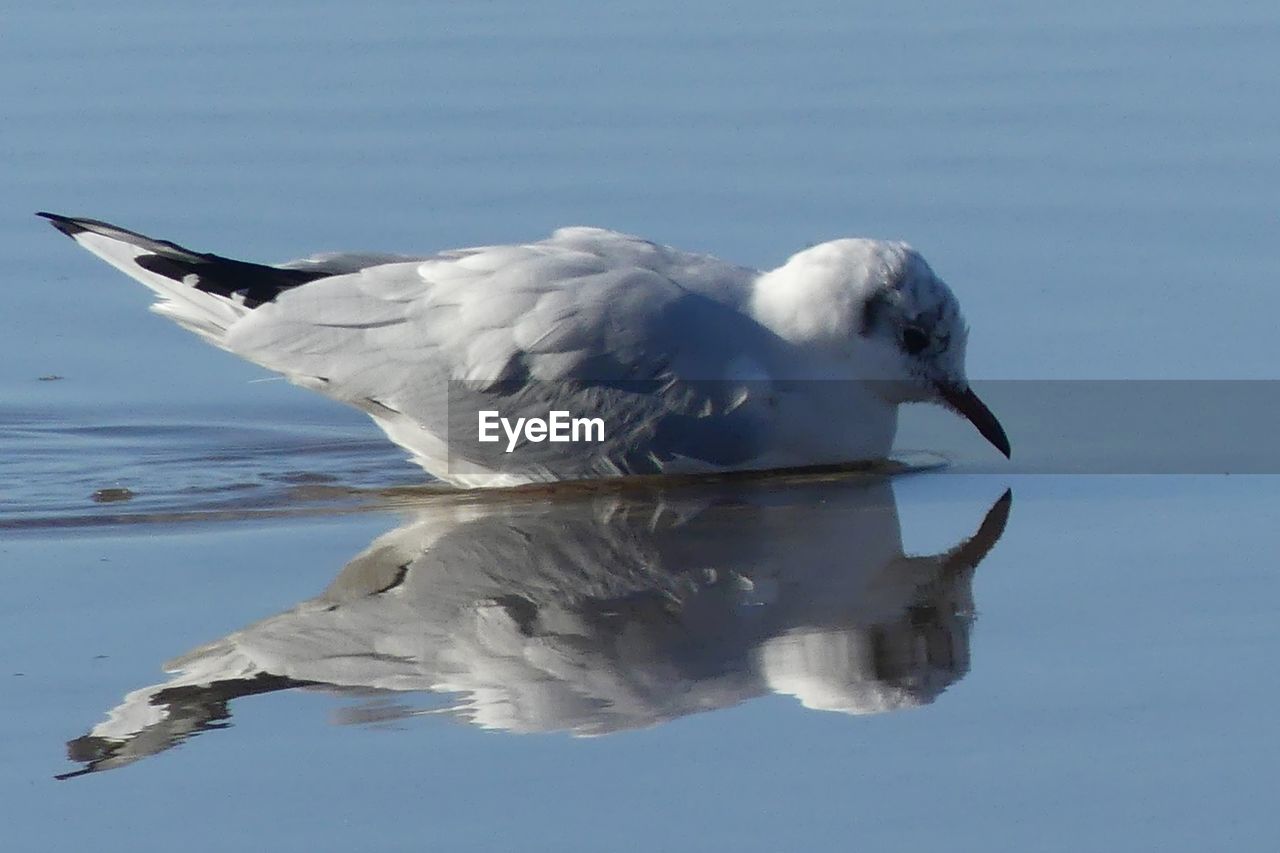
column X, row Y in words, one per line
column 672, row 362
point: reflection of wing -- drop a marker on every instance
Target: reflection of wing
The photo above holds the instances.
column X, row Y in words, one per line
column 166, row 716
column 595, row 614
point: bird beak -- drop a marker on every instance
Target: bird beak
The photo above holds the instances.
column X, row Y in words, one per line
column 962, row 399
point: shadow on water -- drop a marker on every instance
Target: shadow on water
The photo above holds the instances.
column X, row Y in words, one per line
column 598, row 612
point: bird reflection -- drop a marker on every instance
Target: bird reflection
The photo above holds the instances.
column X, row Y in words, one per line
column 598, row 613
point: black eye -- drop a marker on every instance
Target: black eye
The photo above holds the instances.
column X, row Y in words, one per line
column 914, row 340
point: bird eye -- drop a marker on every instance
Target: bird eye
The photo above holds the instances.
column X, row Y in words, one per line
column 914, row 340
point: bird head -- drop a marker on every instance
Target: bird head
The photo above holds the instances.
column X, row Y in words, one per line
column 876, row 308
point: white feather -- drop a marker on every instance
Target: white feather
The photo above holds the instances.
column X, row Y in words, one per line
column 206, row 314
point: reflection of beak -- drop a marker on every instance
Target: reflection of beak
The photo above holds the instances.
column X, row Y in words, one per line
column 964, row 401
column 966, row 556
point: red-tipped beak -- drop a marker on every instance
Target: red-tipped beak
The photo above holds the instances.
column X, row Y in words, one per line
column 964, row 401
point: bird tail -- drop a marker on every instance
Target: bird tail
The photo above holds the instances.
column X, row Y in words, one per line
column 201, row 292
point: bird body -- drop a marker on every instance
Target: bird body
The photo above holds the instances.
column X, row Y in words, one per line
column 690, row 363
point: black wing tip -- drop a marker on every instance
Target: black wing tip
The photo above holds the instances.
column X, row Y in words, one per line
column 75, row 225
column 253, row 283
column 66, row 224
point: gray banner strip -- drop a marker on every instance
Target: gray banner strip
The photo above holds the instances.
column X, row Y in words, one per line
column 1054, row 426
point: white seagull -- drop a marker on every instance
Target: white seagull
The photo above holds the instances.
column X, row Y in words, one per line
column 688, row 363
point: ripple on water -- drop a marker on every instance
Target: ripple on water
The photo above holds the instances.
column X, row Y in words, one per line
column 58, row 471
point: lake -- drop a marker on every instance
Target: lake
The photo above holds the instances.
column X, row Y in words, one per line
column 234, row 615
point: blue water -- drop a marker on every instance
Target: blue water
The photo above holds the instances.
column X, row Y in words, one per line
column 1097, row 184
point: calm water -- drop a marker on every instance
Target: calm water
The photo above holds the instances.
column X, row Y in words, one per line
column 822, row 663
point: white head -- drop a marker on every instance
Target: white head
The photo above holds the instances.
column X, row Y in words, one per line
column 877, row 310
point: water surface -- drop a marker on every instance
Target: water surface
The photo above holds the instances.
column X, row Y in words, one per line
column 760, row 666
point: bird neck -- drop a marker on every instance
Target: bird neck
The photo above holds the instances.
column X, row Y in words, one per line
column 808, row 304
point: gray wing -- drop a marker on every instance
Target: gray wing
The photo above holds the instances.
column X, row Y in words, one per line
column 590, row 322
column 341, row 263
